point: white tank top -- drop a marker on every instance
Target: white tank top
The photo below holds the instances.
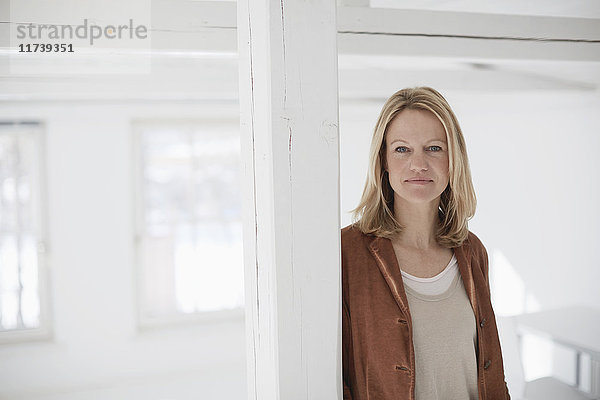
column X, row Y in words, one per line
column 435, row 285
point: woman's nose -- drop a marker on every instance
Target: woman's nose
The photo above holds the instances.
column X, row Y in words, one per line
column 418, row 163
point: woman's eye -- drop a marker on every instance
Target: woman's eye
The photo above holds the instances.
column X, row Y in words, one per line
column 435, row 148
column 401, row 149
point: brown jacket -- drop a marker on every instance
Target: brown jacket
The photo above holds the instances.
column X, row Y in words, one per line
column 377, row 351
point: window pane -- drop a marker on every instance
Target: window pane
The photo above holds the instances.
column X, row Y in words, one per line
column 191, row 241
column 19, row 226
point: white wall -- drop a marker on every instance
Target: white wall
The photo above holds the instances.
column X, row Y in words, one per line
column 536, row 169
column 97, row 350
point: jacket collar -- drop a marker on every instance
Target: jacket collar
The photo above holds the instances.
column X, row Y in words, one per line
column 381, row 248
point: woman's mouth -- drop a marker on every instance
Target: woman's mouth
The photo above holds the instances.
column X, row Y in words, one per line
column 419, row 181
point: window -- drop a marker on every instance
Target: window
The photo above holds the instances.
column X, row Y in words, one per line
column 188, row 223
column 22, row 304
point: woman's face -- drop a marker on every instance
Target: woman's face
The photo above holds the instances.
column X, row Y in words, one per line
column 417, row 157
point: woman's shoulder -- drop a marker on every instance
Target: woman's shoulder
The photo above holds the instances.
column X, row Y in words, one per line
column 353, row 232
column 355, row 251
column 349, row 230
column 352, row 236
column 476, row 245
column 473, row 240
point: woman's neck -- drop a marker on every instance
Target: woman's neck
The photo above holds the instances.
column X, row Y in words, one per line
column 420, row 222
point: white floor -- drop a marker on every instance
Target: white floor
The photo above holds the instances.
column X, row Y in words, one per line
column 215, row 384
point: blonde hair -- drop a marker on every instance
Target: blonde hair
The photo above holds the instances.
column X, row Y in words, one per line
column 375, row 212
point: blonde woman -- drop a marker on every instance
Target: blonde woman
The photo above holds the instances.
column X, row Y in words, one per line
column 417, row 317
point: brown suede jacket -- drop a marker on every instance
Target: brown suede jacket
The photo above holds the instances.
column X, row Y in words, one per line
column 377, row 352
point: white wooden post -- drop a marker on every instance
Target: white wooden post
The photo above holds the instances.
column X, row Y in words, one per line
column 289, row 114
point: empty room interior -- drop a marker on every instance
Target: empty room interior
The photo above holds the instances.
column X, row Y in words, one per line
column 128, row 189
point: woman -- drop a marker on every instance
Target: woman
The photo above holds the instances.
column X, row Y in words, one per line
column 417, row 318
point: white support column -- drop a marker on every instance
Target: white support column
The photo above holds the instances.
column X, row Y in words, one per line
column 289, row 113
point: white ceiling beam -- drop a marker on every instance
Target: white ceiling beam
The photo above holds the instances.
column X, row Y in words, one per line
column 376, row 31
column 194, row 16
column 185, row 15
column 201, row 40
column 208, row 26
column 465, row 24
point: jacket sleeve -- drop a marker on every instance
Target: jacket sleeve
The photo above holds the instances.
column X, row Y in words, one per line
column 346, row 351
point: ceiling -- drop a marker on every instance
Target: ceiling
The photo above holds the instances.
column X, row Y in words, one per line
column 188, row 74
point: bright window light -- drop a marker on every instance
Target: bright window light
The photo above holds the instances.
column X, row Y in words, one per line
column 189, row 227
column 21, row 232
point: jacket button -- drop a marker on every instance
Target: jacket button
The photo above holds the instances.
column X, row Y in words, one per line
column 401, row 321
column 401, row 368
column 487, row 364
column 482, row 323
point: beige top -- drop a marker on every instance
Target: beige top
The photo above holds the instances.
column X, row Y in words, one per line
column 445, row 340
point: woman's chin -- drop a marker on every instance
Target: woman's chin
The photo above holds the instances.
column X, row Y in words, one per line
column 419, row 198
